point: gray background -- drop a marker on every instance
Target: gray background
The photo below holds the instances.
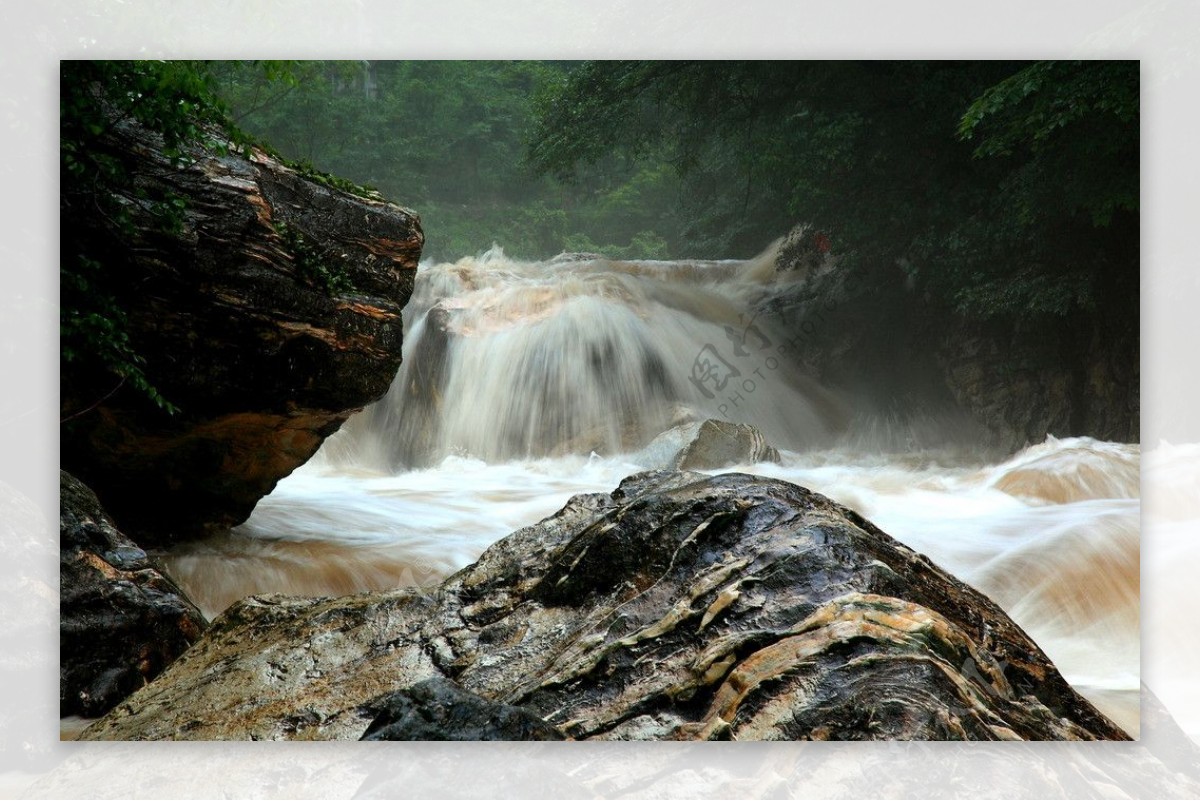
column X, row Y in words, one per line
column 1163, row 35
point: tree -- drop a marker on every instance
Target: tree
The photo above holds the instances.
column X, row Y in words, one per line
column 1033, row 218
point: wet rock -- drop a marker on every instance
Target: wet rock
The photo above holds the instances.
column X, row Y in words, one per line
column 572, row 257
column 718, row 443
column 681, row 606
column 268, row 317
column 121, row 620
column 804, row 251
column 438, row 709
column 1089, row 386
column 707, row 445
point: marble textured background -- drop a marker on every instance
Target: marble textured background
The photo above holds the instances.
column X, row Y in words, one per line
column 1164, row 35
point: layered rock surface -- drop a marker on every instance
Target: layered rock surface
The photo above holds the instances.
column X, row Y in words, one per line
column 268, row 316
column 680, row 606
column 706, row 445
column 121, row 619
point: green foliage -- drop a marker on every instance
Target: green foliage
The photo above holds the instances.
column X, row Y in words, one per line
column 449, row 138
column 1067, row 120
column 334, row 182
column 1061, row 142
column 314, row 266
column 96, row 331
column 173, row 98
column 1003, row 190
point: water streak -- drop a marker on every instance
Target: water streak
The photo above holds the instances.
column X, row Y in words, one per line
column 526, row 383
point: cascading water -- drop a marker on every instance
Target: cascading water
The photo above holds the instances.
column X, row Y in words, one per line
column 526, row 383
column 510, row 360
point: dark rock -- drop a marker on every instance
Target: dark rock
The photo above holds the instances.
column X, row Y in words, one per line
column 438, row 709
column 681, row 606
column 572, row 257
column 268, row 317
column 121, row 619
column 1007, row 382
column 944, row 377
column 804, row 251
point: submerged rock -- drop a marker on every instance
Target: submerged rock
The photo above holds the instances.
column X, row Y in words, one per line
column 681, row 606
column 121, row 620
column 423, row 385
column 438, row 709
column 268, row 316
column 719, row 443
column 707, row 445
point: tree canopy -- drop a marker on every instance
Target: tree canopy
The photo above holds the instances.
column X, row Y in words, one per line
column 448, row 138
column 1004, row 188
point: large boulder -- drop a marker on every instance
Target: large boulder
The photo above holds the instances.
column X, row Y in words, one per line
column 121, row 620
column 681, row 606
column 268, row 316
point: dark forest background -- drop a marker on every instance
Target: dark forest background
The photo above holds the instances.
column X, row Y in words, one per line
column 1004, row 191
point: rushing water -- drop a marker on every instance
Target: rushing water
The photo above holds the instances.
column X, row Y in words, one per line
column 524, row 384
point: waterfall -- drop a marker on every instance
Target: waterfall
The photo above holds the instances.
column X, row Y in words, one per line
column 524, row 383
column 506, row 359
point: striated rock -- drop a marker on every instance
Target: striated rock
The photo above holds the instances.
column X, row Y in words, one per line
column 268, row 316
column 1004, row 380
column 681, row 606
column 121, row 620
column 706, row 445
column 718, row 443
column 438, row 709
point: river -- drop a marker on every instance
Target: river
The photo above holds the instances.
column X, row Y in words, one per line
column 525, row 383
